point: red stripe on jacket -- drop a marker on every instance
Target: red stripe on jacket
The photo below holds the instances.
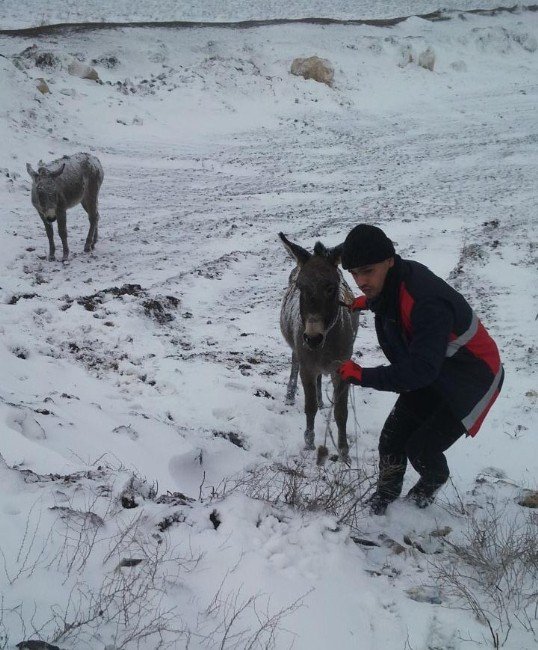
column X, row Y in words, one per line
column 406, row 307
column 484, row 347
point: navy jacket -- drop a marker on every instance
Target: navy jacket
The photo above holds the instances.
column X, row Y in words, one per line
column 432, row 337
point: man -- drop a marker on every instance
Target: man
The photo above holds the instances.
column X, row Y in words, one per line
column 443, row 363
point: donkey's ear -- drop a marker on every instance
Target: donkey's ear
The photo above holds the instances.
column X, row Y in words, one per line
column 335, row 254
column 57, row 172
column 320, row 249
column 300, row 254
column 31, row 172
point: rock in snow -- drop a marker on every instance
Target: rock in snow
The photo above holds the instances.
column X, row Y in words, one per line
column 426, row 59
column 313, row 68
column 82, row 70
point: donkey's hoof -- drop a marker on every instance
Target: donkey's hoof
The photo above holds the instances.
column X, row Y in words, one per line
column 309, row 441
column 87, row 248
column 290, row 401
column 52, row 258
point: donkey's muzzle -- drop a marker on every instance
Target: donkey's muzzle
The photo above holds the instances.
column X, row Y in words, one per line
column 313, row 342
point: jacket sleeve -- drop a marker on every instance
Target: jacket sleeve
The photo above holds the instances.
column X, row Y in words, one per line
column 420, row 365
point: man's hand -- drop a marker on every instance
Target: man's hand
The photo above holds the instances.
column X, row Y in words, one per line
column 350, row 371
column 358, row 304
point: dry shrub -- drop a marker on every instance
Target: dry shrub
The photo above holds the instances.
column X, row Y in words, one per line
column 335, row 488
column 493, row 571
column 227, row 621
column 118, row 572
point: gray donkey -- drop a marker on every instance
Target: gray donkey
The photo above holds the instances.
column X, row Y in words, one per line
column 61, row 184
column 320, row 330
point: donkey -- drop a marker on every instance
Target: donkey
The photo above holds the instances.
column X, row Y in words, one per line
column 61, row 184
column 320, row 330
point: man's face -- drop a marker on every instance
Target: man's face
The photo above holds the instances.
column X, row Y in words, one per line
column 371, row 278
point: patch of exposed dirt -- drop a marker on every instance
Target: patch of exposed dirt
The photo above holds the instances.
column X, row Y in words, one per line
column 232, row 437
column 159, row 308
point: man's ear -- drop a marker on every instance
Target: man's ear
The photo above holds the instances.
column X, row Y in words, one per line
column 297, row 252
column 31, row 172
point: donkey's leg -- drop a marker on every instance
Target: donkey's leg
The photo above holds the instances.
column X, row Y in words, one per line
column 97, row 187
column 310, row 407
column 62, row 231
column 319, row 392
column 50, row 235
column 95, row 232
column 89, row 203
column 292, row 383
column 341, row 390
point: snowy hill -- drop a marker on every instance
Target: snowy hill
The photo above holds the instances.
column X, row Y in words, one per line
column 154, row 491
column 14, row 14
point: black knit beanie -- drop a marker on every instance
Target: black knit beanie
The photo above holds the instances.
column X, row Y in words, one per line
column 366, row 245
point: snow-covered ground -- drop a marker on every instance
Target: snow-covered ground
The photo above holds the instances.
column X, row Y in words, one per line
column 155, row 366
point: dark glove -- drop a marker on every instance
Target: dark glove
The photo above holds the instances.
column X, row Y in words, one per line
column 358, row 304
column 350, row 371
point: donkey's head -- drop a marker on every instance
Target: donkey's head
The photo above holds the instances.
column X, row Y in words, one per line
column 45, row 190
column 318, row 282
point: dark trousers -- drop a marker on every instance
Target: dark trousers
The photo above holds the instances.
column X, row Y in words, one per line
column 420, row 428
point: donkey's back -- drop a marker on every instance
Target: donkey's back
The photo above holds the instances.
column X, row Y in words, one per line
column 80, row 179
